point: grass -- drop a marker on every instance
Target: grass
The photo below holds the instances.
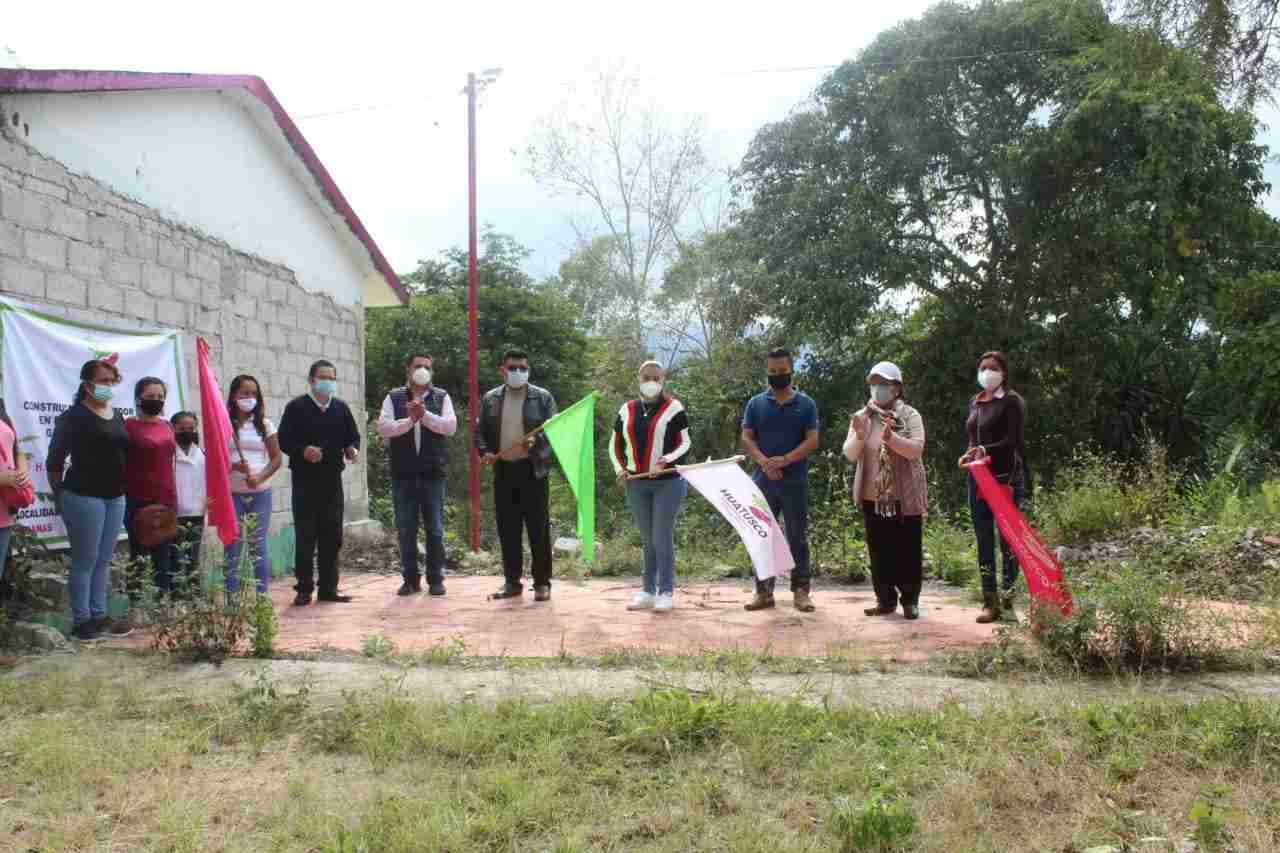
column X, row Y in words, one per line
column 112, row 765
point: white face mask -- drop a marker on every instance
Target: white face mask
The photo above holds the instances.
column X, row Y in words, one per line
column 650, row 389
column 422, row 376
column 882, row 394
column 246, row 404
column 990, row 379
column 517, row 378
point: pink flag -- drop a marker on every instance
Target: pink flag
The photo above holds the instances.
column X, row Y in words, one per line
column 217, row 438
column 1044, row 575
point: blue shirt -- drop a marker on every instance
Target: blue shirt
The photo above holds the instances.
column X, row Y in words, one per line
column 780, row 428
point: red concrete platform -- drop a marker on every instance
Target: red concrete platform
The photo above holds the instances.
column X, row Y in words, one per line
column 590, row 618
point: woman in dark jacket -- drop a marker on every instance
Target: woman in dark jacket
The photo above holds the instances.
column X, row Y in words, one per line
column 90, row 496
column 997, row 416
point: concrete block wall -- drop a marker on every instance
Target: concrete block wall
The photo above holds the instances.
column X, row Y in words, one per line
column 78, row 249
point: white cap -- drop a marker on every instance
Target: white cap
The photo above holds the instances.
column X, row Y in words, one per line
column 886, row 370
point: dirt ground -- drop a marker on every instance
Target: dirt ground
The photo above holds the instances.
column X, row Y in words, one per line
column 590, row 618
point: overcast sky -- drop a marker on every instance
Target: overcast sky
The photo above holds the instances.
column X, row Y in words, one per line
column 401, row 159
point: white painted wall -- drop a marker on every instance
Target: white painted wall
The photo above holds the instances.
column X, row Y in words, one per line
column 202, row 159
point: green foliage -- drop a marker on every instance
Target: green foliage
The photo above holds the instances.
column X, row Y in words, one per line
column 952, row 552
column 879, row 823
column 264, row 627
column 378, row 646
column 1095, row 495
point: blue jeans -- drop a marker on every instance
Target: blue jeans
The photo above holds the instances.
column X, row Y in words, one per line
column 984, row 527
column 655, row 504
column 257, row 505
column 790, row 497
column 162, row 557
column 93, row 525
column 420, row 497
column 4, row 548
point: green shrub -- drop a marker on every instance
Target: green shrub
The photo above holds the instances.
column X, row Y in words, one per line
column 878, row 823
column 951, row 552
column 1095, row 496
column 264, row 626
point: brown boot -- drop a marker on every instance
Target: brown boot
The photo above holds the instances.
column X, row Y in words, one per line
column 762, row 601
column 802, row 601
column 990, row 610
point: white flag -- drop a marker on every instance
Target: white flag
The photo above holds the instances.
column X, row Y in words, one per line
column 42, row 357
column 728, row 488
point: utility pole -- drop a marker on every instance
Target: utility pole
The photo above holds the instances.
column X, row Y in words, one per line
column 473, row 297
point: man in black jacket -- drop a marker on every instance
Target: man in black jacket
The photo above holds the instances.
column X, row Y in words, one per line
column 521, row 494
column 416, row 419
column 319, row 435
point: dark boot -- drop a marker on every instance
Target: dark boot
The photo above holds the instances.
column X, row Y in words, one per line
column 990, row 609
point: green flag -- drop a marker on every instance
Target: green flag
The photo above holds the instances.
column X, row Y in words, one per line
column 572, row 437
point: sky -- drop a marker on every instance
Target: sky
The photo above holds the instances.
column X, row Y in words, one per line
column 376, row 86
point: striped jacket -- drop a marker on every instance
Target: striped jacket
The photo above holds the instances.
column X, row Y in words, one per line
column 666, row 436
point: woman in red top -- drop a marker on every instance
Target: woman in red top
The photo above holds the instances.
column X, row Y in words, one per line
column 149, row 478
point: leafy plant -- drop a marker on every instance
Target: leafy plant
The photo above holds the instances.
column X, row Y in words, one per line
column 877, row 823
column 264, row 626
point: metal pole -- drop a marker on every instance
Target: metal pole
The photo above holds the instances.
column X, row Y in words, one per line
column 473, row 276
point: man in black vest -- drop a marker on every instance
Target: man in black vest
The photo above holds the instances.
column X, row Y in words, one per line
column 416, row 419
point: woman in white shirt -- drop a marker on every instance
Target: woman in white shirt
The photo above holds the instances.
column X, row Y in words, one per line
column 255, row 457
column 188, row 474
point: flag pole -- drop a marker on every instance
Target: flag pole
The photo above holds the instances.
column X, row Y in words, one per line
column 711, row 462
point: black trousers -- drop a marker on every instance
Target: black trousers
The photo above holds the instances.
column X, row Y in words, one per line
column 896, row 546
column 522, row 501
column 317, row 524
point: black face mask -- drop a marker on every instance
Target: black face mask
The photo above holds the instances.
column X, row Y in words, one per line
column 186, row 438
column 779, row 381
column 151, row 407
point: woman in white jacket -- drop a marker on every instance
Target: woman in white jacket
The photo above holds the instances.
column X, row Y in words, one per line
column 886, row 441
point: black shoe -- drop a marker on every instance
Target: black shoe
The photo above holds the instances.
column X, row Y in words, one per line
column 114, row 627
column 910, row 611
column 509, row 590
column 542, row 593
column 410, row 587
column 333, row 598
column 880, row 610
column 86, row 631
column 302, row 599
column 436, row 588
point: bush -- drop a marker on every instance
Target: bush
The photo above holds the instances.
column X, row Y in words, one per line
column 1134, row 619
column 1096, row 495
column 951, row 552
column 878, row 823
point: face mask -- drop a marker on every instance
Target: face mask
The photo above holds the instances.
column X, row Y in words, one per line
column 422, row 376
column 327, row 387
column 246, row 404
column 517, row 378
column 103, row 393
column 151, row 407
column 882, row 394
column 990, row 379
column 650, row 389
column 779, row 381
column 186, row 438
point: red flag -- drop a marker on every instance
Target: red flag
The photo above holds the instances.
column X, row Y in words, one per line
column 217, row 438
column 1044, row 575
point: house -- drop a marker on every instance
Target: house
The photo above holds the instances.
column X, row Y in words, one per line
column 190, row 202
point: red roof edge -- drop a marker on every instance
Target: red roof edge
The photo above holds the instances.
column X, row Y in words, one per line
column 26, row 80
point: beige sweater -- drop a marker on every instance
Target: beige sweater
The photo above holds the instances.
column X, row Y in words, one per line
column 905, row 450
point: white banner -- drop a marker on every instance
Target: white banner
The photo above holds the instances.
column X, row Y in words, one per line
column 728, row 488
column 43, row 355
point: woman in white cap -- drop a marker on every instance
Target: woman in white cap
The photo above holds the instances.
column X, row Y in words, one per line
column 886, row 440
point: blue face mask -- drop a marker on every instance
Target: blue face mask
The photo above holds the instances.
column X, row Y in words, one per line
column 328, row 387
column 103, row 393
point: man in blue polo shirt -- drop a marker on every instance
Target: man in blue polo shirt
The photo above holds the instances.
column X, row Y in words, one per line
column 780, row 431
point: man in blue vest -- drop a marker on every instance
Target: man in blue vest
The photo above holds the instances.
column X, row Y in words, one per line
column 416, row 419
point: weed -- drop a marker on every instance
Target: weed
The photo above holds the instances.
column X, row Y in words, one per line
column 878, row 823
column 378, row 646
column 263, row 627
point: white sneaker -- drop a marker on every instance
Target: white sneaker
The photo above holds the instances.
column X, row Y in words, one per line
column 664, row 602
column 642, row 601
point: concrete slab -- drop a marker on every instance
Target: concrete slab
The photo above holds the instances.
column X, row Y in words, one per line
column 589, row 618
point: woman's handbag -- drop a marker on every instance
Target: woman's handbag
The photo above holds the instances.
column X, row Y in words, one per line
column 154, row 525
column 17, row 497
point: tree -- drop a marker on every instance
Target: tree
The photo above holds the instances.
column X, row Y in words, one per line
column 1021, row 175
column 637, row 171
column 1235, row 38
column 513, row 310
